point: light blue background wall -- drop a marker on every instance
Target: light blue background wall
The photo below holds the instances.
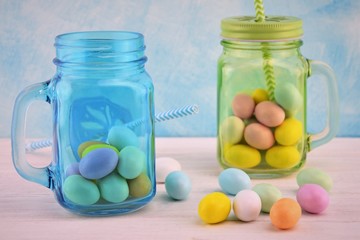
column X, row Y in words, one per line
column 182, row 38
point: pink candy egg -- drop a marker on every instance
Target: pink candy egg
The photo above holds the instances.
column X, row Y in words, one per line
column 243, row 106
column 312, row 198
column 259, row 136
column 269, row 114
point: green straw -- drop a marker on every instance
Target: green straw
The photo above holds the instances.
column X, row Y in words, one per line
column 267, row 62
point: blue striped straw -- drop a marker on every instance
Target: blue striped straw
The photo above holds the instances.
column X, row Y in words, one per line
column 168, row 115
column 164, row 116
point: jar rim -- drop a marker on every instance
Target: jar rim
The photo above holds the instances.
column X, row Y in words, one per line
column 99, row 36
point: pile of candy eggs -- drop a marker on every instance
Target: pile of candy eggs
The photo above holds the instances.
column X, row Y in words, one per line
column 109, row 172
column 260, row 127
column 247, row 204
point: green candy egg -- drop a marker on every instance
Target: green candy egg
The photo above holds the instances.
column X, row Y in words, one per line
column 314, row 176
column 288, row 97
column 131, row 162
column 269, row 194
column 113, row 188
column 97, row 146
column 231, row 130
column 121, row 136
column 140, row 186
column 80, row 190
column 84, row 145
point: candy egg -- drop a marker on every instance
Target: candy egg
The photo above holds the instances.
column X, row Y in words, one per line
column 214, row 208
column 140, row 186
column 231, row 130
column 260, row 95
column 178, row 185
column 259, row 136
column 285, row 213
column 113, row 188
column 289, row 132
column 288, row 97
column 315, row 176
column 282, row 157
column 268, row 194
column 96, row 146
column 72, row 169
column 80, row 190
column 131, row 162
column 233, row 180
column 312, row 198
column 84, row 145
column 269, row 114
column 121, row 136
column 164, row 166
column 242, row 156
column 98, row 163
column 247, row 205
column 243, row 106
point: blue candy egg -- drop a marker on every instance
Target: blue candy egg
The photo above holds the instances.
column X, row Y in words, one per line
column 121, row 136
column 233, row 180
column 178, row 185
column 131, row 162
column 98, row 163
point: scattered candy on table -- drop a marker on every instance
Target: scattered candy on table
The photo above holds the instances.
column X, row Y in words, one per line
column 268, row 194
column 178, row 185
column 316, row 176
column 312, row 198
column 164, row 166
column 285, row 213
column 247, row 205
column 214, row 208
column 233, row 180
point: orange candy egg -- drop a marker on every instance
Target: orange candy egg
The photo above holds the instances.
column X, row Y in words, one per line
column 285, row 213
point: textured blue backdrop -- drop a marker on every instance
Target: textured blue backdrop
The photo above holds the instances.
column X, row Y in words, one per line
column 182, row 38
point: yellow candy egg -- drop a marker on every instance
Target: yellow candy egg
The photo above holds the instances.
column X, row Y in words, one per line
column 214, row 208
column 283, row 157
column 260, row 95
column 289, row 132
column 242, row 156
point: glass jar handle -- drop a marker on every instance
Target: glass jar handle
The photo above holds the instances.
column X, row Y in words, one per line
column 332, row 123
column 24, row 99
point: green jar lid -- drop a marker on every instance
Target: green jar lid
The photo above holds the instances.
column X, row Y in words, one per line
column 273, row 28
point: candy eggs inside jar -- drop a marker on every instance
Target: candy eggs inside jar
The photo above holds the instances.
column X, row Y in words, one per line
column 109, row 174
column 258, row 134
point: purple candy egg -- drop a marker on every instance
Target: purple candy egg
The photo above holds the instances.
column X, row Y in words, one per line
column 72, row 169
column 312, row 198
column 98, row 163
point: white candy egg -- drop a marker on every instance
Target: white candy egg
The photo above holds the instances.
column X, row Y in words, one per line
column 247, row 205
column 164, row 166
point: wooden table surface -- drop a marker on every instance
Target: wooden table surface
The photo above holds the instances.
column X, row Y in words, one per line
column 29, row 211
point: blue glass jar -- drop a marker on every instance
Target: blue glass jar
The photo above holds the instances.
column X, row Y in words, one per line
column 103, row 124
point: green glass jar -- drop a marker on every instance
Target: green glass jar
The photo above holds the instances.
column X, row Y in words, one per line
column 261, row 105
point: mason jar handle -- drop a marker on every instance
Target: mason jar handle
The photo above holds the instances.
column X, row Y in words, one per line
column 24, row 99
column 332, row 124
